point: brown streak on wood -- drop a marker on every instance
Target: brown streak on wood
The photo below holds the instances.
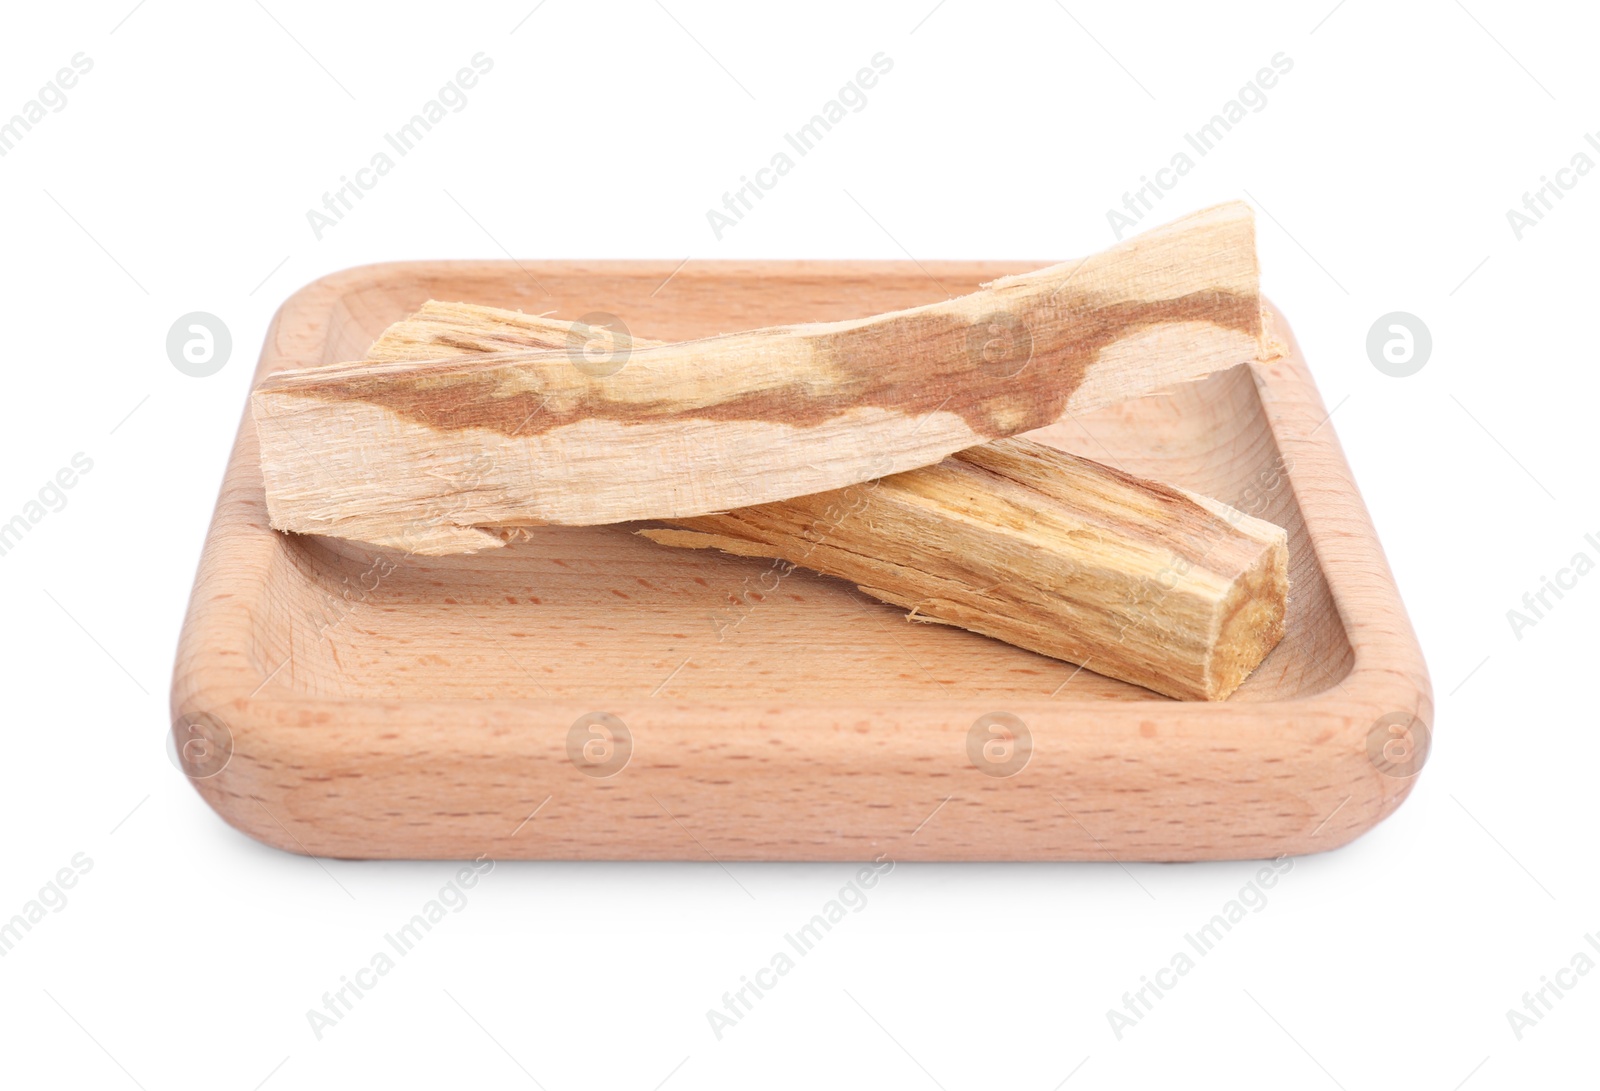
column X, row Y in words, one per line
column 485, row 393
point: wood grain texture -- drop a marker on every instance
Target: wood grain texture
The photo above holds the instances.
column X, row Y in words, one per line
column 419, row 455
column 1045, row 550
column 415, row 707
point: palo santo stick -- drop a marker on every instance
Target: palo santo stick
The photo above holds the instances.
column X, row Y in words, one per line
column 1045, row 550
column 1172, row 591
column 423, row 453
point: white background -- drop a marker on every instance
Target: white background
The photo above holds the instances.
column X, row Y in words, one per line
column 177, row 179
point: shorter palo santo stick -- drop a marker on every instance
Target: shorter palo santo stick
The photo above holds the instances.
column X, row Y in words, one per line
column 1012, row 539
column 1045, row 550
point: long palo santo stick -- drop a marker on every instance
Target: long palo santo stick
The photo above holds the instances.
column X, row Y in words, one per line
column 1012, row 539
column 425, row 452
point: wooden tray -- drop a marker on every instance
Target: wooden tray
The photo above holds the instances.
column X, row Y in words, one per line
column 648, row 703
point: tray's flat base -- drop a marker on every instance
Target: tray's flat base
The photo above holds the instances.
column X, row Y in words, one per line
column 388, row 706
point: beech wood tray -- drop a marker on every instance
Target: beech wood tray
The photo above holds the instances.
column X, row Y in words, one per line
column 332, row 701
